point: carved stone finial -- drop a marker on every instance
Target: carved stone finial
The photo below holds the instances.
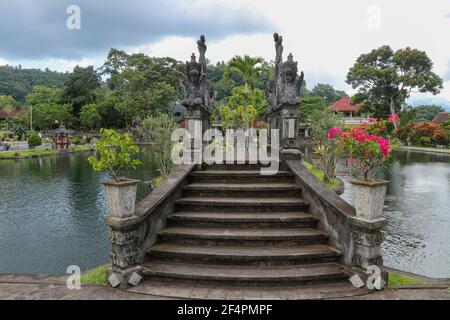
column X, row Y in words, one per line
column 196, row 88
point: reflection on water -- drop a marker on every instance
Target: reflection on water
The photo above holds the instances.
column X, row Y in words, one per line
column 52, row 212
column 418, row 209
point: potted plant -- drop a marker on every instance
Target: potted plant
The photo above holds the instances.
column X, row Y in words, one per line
column 366, row 148
column 117, row 153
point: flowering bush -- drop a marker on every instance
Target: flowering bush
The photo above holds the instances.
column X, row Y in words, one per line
column 366, row 148
column 424, row 134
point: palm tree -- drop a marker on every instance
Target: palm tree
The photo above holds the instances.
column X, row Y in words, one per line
column 248, row 68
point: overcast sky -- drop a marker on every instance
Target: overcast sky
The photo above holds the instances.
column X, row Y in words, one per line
column 325, row 36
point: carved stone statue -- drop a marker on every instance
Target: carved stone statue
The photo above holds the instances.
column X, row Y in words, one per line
column 288, row 84
column 197, row 91
column 279, row 51
column 285, row 88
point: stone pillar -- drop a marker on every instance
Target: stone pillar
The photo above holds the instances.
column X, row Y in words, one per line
column 197, row 122
column 126, row 258
column 289, row 133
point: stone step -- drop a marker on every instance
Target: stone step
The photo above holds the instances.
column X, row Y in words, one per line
column 243, row 219
column 244, row 254
column 223, row 236
column 234, row 166
column 190, row 289
column 309, row 273
column 241, row 204
column 239, row 176
column 262, row 189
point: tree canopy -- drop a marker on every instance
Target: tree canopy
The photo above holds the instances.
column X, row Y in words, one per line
column 385, row 79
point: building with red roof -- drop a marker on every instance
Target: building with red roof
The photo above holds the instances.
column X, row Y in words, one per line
column 344, row 106
column 441, row 117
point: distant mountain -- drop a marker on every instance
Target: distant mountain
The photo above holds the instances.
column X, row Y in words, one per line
column 18, row 82
column 418, row 101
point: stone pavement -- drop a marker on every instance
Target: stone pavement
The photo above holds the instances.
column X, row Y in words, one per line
column 20, row 287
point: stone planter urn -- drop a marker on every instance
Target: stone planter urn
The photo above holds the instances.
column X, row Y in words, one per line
column 121, row 197
column 368, row 198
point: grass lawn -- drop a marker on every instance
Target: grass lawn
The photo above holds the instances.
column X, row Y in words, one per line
column 396, row 279
column 97, row 276
column 36, row 152
column 320, row 175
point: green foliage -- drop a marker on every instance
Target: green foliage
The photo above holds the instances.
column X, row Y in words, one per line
column 396, row 279
column 34, row 140
column 320, row 174
column 427, row 112
column 76, row 140
column 323, row 121
column 18, row 82
column 158, row 130
column 98, row 276
column 310, row 104
column 80, row 87
column 90, row 117
column 249, row 69
column 46, row 116
column 144, row 86
column 385, row 79
column 43, row 95
column 48, row 108
column 117, row 153
column 327, row 92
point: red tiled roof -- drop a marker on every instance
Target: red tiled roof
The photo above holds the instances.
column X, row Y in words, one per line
column 441, row 117
column 344, row 104
column 182, row 124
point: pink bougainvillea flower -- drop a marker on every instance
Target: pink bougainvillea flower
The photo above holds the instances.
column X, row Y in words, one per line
column 333, row 132
column 350, row 161
column 393, row 118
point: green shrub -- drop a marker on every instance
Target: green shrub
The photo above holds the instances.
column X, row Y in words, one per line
column 76, row 140
column 34, row 140
column 117, row 153
column 425, row 141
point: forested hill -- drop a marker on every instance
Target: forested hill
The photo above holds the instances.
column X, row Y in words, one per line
column 18, row 82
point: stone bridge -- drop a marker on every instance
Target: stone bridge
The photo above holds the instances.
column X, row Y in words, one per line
column 226, row 230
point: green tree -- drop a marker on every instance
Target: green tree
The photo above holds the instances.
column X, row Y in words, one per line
column 427, row 112
column 385, row 79
column 48, row 115
column 90, row 117
column 327, row 92
column 48, row 108
column 310, row 104
column 144, row 86
column 243, row 104
column 18, row 82
column 117, row 153
column 249, row 69
column 80, row 87
column 159, row 131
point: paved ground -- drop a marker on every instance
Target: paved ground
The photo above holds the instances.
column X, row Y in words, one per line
column 19, row 287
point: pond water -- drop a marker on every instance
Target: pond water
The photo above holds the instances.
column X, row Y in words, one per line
column 52, row 213
column 417, row 207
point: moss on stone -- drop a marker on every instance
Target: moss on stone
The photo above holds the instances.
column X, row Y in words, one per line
column 396, row 279
column 321, row 175
column 98, row 276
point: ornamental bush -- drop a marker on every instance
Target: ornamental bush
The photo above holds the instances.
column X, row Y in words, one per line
column 364, row 151
column 117, row 153
column 34, row 140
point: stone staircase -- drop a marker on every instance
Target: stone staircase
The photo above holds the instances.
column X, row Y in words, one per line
column 237, row 229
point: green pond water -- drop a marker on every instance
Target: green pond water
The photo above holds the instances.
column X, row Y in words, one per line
column 52, row 213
